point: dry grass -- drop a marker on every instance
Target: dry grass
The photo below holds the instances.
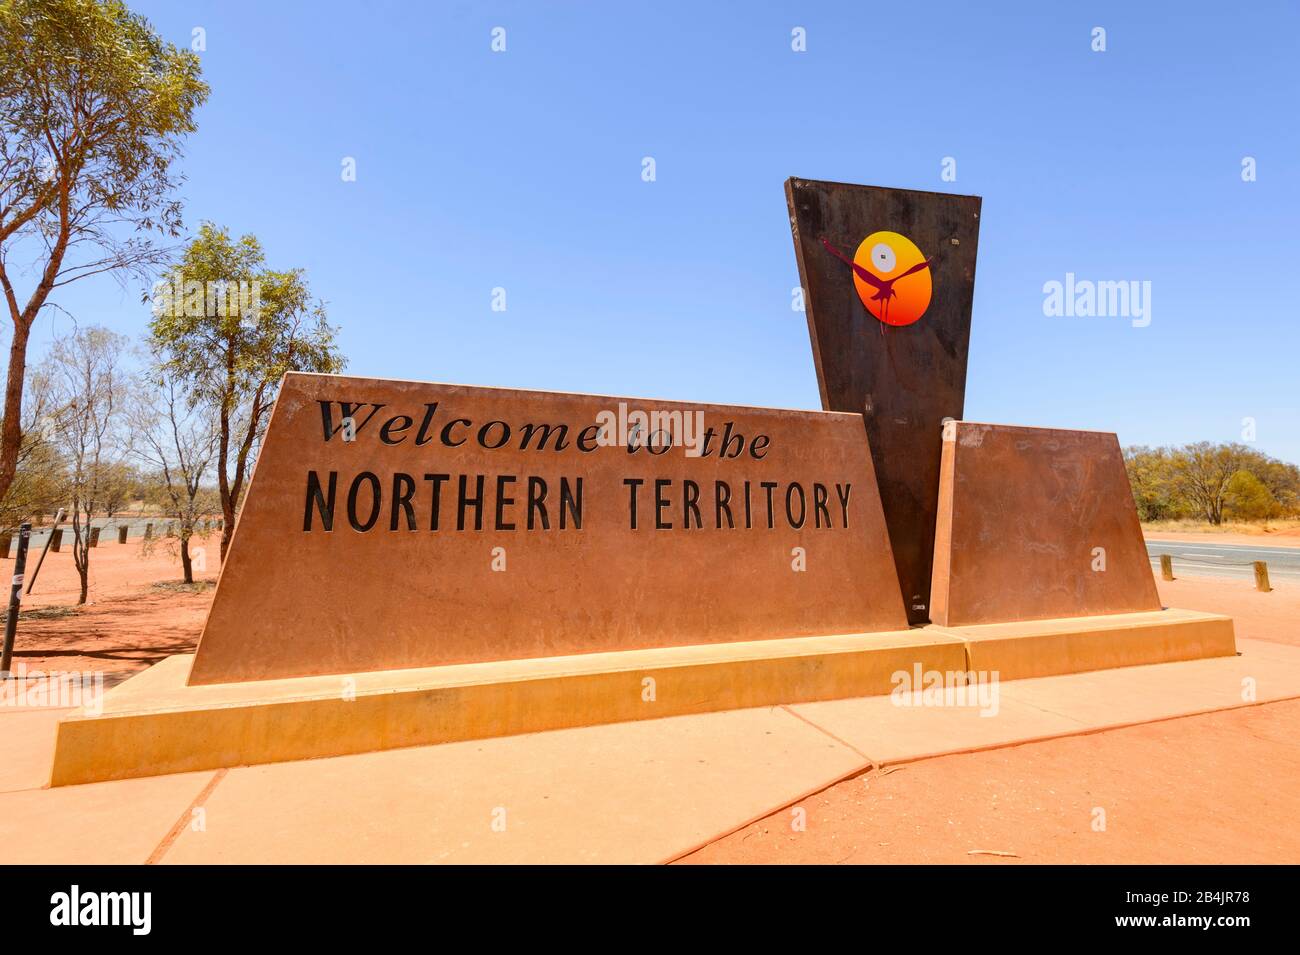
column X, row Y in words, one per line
column 41, row 613
column 181, row 587
column 1287, row 527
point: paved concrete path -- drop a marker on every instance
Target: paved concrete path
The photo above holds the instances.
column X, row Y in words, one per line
column 634, row 792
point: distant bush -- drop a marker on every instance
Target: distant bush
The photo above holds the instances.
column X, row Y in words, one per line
column 1211, row 482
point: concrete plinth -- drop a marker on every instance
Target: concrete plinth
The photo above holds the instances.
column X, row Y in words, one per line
column 157, row 723
column 1035, row 648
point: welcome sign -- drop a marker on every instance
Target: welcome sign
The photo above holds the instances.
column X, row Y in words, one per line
column 401, row 524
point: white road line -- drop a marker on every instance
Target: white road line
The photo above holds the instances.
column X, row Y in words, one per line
column 1293, row 551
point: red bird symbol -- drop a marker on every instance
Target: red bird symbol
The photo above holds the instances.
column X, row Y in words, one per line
column 884, row 287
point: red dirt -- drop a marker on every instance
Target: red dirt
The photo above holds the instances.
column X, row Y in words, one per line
column 1278, row 537
column 1272, row 616
column 1218, row 788
column 128, row 623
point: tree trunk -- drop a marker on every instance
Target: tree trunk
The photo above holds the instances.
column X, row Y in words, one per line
column 11, row 438
column 227, row 526
column 81, row 551
column 186, row 564
column 223, row 453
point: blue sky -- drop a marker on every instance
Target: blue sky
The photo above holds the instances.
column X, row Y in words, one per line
column 522, row 170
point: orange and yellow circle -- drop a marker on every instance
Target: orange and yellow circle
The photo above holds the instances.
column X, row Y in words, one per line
column 888, row 255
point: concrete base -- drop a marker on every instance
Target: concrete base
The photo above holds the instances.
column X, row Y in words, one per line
column 155, row 723
column 1033, row 648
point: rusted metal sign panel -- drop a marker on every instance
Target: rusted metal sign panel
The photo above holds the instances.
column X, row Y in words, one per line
column 888, row 278
column 401, row 524
column 1036, row 523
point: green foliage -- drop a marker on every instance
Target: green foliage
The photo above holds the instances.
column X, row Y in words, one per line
column 1148, row 473
column 94, row 107
column 1249, row 499
column 40, row 485
column 232, row 358
column 121, row 485
column 1211, row 482
column 94, row 103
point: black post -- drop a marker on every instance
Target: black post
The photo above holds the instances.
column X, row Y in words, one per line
column 15, row 600
column 45, row 550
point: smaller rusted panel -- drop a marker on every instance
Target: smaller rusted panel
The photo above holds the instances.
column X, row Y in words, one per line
column 1036, row 523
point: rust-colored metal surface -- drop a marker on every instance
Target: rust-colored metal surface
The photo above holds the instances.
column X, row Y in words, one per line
column 905, row 379
column 1036, row 523
column 469, row 524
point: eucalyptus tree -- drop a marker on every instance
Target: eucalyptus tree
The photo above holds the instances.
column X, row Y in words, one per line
column 94, row 109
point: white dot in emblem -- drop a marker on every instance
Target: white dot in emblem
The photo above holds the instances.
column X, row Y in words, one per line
column 883, row 258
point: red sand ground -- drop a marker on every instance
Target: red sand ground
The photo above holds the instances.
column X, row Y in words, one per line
column 1283, row 534
column 128, row 624
column 1272, row 616
column 1287, row 538
column 1215, row 788
column 1219, row 788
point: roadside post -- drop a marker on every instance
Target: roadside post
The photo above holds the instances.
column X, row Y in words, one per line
column 57, row 519
column 15, row 599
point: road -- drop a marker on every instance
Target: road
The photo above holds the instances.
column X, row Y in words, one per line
column 108, row 531
column 1226, row 560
